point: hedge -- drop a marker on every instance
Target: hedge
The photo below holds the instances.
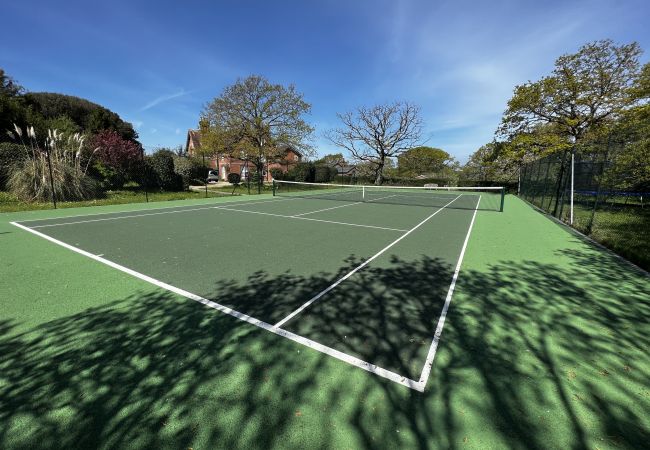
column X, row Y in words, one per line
column 11, row 155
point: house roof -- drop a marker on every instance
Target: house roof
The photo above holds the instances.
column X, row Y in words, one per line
column 287, row 147
column 193, row 136
column 345, row 169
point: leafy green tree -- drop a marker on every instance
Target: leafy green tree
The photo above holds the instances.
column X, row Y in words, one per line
column 252, row 117
column 630, row 153
column 379, row 133
column 585, row 90
column 424, row 160
column 162, row 164
column 335, row 159
column 89, row 116
column 480, row 165
column 11, row 105
column 191, row 170
column 64, row 124
column 586, row 93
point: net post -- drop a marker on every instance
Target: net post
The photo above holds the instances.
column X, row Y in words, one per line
column 503, row 197
column 363, row 193
column 274, row 187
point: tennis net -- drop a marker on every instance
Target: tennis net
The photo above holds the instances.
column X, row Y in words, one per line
column 483, row 198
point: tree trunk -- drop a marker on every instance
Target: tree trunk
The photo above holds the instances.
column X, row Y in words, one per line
column 379, row 173
column 560, row 185
column 259, row 167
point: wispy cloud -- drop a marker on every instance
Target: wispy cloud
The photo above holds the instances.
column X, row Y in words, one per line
column 138, row 124
column 178, row 131
column 164, row 98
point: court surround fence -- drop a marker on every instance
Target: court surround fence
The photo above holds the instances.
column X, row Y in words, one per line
column 607, row 203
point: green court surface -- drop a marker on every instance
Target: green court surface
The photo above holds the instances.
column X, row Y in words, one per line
column 290, row 322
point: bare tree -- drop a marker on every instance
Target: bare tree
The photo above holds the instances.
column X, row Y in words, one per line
column 374, row 134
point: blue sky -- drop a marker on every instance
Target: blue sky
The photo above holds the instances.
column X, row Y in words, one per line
column 157, row 63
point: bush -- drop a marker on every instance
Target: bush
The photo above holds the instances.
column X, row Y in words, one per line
column 302, row 171
column 108, row 176
column 62, row 171
column 117, row 158
column 162, row 163
column 289, row 175
column 277, row 173
column 11, row 156
column 394, row 181
column 189, row 169
column 234, row 178
column 147, row 175
column 399, row 181
column 31, row 182
column 322, row 174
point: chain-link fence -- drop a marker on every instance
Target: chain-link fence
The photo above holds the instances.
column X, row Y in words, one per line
column 611, row 195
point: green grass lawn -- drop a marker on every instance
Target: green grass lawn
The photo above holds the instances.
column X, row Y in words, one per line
column 625, row 230
column 130, row 194
column 545, row 346
column 9, row 203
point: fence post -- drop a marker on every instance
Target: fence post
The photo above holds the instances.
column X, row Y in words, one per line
column 548, row 168
column 561, row 187
column 599, row 187
column 503, row 197
column 145, row 173
column 49, row 166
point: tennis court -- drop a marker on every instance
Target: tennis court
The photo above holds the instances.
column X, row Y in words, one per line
column 188, row 324
column 333, row 239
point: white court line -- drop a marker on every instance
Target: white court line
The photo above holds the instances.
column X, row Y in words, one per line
column 352, row 360
column 426, row 370
column 313, row 220
column 438, row 197
column 211, row 200
column 359, row 267
column 141, row 215
column 381, row 198
column 342, row 206
column 326, row 209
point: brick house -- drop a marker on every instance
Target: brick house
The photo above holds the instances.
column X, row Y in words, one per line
column 346, row 170
column 225, row 164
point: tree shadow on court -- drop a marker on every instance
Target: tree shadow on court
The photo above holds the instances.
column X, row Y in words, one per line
column 532, row 356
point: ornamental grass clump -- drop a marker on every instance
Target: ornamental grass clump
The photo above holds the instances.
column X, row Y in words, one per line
column 69, row 159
